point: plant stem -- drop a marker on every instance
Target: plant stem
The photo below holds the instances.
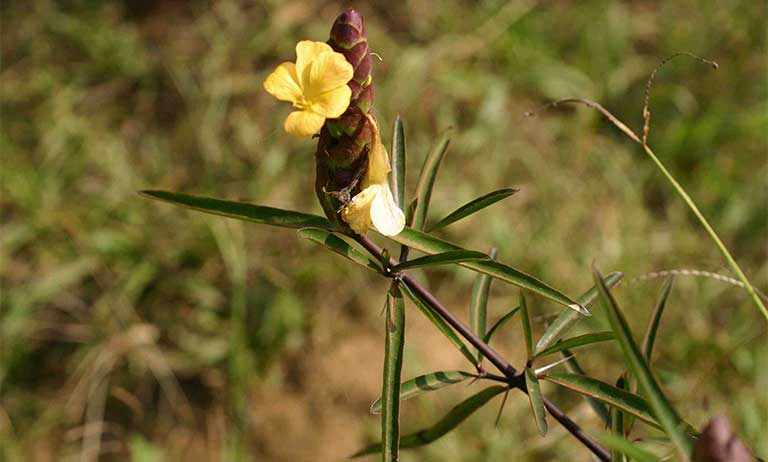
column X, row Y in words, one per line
column 691, row 205
column 514, row 379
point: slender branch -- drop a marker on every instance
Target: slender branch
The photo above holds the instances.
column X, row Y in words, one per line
column 513, row 378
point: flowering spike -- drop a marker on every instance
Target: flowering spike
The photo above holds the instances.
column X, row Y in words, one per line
column 345, row 146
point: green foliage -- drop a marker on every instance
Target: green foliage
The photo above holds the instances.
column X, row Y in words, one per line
column 100, row 99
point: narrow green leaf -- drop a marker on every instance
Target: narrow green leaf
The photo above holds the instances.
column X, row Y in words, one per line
column 604, row 392
column 502, row 320
column 617, row 426
column 653, row 324
column 410, row 212
column 451, row 420
column 441, row 325
column 568, row 318
column 340, row 246
column 398, row 163
column 429, row 244
column 424, row 384
column 243, row 210
column 572, row 364
column 618, row 443
column 478, row 308
column 662, row 409
column 473, row 207
column 393, row 364
column 534, row 395
column 577, row 341
column 445, row 258
column 427, row 180
column 526, row 322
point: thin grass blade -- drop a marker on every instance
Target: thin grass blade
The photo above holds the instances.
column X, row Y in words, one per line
column 445, row 258
column 425, row 384
column 653, row 324
column 397, row 181
column 473, row 207
column 429, row 244
column 502, row 320
column 572, row 364
column 451, row 420
column 526, row 322
column 427, row 180
column 662, row 409
column 568, row 318
column 537, row 404
column 243, row 210
column 340, row 246
column 617, row 427
column 606, row 393
column 577, row 341
column 618, row 443
column 393, row 364
column 441, row 325
column 478, row 308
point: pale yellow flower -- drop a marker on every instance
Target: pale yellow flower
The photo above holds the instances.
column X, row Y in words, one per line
column 316, row 84
column 374, row 205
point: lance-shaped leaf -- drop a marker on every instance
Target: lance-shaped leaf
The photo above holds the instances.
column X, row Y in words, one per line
column 454, row 417
column 243, row 210
column 502, row 320
column 427, row 180
column 653, row 324
column 617, row 425
column 604, row 392
column 568, row 318
column 662, row 409
column 441, row 325
column 577, row 341
column 340, row 246
column 424, row 384
column 478, row 308
column 445, row 258
column 618, row 443
column 474, row 206
column 397, row 182
column 572, row 364
column 525, row 320
column 393, row 364
column 537, row 403
column 429, row 244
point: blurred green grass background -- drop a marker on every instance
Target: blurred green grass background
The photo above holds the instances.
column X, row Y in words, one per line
column 118, row 313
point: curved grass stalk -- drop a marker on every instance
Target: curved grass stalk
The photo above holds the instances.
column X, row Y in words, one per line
column 710, row 230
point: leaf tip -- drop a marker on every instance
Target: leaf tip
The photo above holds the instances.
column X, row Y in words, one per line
column 580, row 309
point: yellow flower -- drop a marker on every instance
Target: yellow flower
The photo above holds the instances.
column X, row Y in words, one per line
column 316, row 84
column 374, row 204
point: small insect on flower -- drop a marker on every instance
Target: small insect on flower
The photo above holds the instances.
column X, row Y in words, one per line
column 374, row 204
column 316, row 84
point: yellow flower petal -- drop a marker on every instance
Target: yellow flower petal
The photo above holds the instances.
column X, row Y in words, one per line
column 328, row 71
column 333, row 103
column 303, row 123
column 283, row 83
column 386, row 217
column 357, row 213
column 306, row 52
column 378, row 159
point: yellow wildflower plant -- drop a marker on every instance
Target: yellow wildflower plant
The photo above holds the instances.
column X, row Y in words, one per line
column 316, row 84
column 374, row 205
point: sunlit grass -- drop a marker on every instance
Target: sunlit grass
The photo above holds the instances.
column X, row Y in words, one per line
column 101, row 101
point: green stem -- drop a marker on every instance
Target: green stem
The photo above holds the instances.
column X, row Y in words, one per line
column 710, row 230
